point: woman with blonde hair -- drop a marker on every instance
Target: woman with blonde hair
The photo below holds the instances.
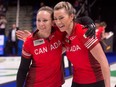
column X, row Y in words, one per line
column 90, row 65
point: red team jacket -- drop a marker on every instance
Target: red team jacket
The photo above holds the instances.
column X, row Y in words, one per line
column 86, row 68
column 46, row 68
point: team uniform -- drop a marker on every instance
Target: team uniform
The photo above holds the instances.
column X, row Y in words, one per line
column 46, row 68
column 87, row 71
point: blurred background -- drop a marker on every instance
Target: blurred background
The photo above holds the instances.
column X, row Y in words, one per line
column 21, row 14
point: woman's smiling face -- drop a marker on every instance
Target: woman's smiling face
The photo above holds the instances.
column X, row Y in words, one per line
column 62, row 19
column 44, row 23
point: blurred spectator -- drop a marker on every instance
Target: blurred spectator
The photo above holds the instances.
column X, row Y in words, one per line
column 103, row 25
column 2, row 9
column 98, row 29
column 104, row 37
column 97, row 23
column 12, row 43
column 77, row 5
column 3, row 23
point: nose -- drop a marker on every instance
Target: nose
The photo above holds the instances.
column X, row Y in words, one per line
column 41, row 23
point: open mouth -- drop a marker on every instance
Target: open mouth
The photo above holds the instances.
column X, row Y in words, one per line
column 61, row 27
column 42, row 29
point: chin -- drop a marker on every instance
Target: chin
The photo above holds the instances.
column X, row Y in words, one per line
column 47, row 35
column 62, row 30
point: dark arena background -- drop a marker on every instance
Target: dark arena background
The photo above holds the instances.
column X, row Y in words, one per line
column 23, row 13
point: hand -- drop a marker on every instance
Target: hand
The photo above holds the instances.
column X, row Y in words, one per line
column 22, row 35
column 88, row 23
column 90, row 30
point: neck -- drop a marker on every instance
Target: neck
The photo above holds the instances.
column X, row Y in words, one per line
column 42, row 35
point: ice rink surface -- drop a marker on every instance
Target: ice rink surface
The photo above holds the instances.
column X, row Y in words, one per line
column 9, row 67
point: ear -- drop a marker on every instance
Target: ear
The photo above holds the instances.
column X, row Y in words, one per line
column 72, row 16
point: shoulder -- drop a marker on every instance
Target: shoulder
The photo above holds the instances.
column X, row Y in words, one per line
column 79, row 29
column 78, row 26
